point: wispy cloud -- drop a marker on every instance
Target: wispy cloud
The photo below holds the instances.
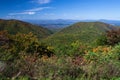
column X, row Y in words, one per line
column 41, row 1
column 30, row 11
column 38, row 9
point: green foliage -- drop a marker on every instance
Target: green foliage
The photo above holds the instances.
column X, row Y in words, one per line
column 115, row 52
column 73, row 49
column 102, row 40
column 76, row 49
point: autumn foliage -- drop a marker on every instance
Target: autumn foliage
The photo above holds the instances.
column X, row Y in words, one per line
column 111, row 37
column 20, row 52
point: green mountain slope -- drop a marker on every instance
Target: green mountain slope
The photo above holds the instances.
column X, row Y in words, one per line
column 86, row 32
column 15, row 26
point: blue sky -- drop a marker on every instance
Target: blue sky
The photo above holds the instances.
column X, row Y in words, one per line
column 60, row 9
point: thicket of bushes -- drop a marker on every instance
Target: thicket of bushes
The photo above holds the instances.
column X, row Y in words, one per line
column 19, row 52
column 26, row 59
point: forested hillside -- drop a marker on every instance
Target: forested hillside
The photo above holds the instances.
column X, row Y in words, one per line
column 83, row 31
column 16, row 26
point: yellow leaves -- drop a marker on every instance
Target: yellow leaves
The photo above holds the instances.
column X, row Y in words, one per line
column 50, row 47
column 95, row 50
column 102, row 49
column 86, row 52
column 106, row 49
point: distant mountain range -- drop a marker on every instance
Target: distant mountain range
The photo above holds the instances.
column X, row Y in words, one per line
column 57, row 21
column 53, row 25
column 112, row 22
column 17, row 26
column 57, row 25
column 68, row 21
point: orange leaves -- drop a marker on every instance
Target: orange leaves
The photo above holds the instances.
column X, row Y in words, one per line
column 98, row 54
column 101, row 49
column 44, row 58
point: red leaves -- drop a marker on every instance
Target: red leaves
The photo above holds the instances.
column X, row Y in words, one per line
column 113, row 37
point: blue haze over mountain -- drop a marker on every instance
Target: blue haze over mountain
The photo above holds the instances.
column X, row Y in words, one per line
column 58, row 24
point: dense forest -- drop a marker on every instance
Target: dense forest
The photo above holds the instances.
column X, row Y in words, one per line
column 82, row 51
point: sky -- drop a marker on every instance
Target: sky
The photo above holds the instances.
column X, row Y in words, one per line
column 60, row 9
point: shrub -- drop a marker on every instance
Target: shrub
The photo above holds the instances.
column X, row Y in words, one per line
column 111, row 37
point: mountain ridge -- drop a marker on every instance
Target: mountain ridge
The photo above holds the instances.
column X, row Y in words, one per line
column 15, row 26
column 86, row 32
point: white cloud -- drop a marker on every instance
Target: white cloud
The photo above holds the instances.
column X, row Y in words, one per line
column 41, row 1
column 29, row 13
column 38, row 9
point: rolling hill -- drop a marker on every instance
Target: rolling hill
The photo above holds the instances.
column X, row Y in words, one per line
column 86, row 32
column 15, row 26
